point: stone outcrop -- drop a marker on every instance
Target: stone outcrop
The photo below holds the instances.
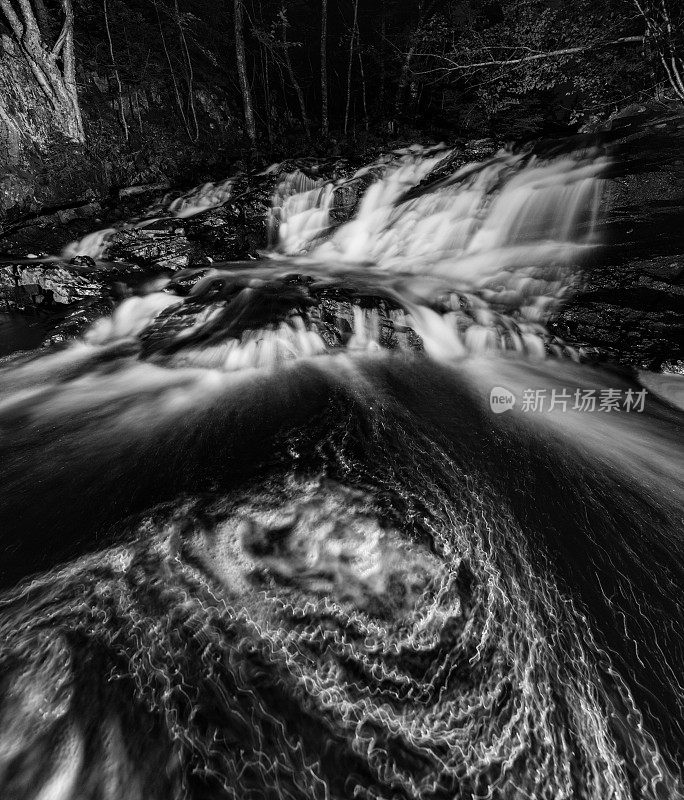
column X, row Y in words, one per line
column 630, row 306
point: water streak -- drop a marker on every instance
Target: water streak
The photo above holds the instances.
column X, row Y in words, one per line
column 266, row 538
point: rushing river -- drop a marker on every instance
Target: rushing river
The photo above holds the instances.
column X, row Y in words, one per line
column 347, row 522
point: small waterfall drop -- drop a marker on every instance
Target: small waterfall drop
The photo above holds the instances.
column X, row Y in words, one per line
column 201, row 198
column 266, row 535
column 300, row 212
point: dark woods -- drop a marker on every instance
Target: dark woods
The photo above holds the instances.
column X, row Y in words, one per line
column 142, row 85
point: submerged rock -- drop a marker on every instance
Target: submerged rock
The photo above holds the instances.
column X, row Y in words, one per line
column 283, row 317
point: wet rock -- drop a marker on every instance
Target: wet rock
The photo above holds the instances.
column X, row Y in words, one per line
column 76, row 322
column 347, row 196
column 223, row 308
column 91, row 209
column 66, row 215
column 184, row 281
column 630, row 307
column 47, row 285
column 236, row 230
column 83, row 261
column 230, row 233
column 239, row 229
column 164, row 246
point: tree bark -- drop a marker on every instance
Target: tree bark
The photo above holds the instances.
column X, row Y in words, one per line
column 69, row 67
column 58, row 83
column 242, row 73
column 324, row 68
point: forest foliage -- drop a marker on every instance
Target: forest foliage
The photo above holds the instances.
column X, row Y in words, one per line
column 279, row 74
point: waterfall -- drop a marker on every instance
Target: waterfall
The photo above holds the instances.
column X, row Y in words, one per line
column 266, row 534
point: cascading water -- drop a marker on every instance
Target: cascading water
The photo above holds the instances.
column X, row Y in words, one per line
column 201, row 198
column 273, row 540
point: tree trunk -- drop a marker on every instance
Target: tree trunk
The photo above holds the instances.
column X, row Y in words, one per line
column 403, row 79
column 352, row 39
column 176, row 91
column 383, row 65
column 291, row 74
column 122, row 114
column 242, row 73
column 58, row 82
column 69, row 68
column 324, row 68
column 191, row 75
column 363, row 78
column 267, row 94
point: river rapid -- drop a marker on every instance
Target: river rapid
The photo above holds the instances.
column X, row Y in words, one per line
column 347, row 522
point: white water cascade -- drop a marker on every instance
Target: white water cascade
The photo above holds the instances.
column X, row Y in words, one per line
column 267, row 536
column 201, row 198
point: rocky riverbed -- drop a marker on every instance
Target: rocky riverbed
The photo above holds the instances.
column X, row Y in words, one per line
column 628, row 306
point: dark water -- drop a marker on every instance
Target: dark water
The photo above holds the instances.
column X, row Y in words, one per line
column 21, row 332
column 244, row 559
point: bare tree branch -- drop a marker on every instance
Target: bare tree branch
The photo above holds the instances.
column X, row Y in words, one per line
column 509, row 62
